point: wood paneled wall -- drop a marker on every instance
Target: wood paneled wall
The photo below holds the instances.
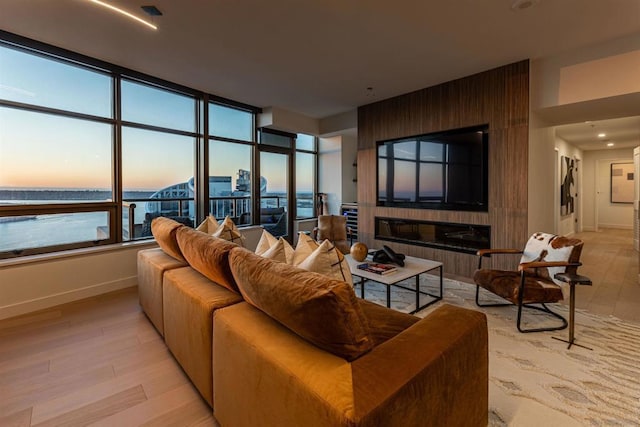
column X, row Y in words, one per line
column 499, row 98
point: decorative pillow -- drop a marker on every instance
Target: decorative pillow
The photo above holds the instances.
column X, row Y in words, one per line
column 323, row 311
column 228, row 230
column 276, row 252
column 207, row 255
column 329, row 261
column 164, row 231
column 266, row 241
column 549, row 247
column 278, row 249
column 305, row 247
column 209, row 225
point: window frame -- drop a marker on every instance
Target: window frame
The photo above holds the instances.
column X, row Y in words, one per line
column 118, row 204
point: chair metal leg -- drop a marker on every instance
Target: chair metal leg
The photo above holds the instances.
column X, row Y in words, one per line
column 494, row 304
column 544, row 309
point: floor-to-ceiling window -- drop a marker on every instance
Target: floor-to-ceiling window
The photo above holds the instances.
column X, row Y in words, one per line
column 90, row 152
column 231, row 137
column 287, row 164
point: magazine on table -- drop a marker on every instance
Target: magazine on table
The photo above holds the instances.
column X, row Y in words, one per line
column 377, row 268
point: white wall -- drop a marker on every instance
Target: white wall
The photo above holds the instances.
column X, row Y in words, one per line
column 330, row 172
column 45, row 281
column 594, row 72
column 541, row 178
column 336, row 172
column 566, row 225
column 597, row 190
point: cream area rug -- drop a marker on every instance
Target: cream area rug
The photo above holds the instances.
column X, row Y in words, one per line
column 535, row 380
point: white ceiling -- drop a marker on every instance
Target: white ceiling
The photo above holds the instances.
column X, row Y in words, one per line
column 622, row 133
column 318, row 57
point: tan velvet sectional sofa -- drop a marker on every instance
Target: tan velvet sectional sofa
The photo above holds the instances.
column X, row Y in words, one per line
column 268, row 344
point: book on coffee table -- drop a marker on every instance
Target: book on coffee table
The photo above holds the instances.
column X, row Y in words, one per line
column 377, row 268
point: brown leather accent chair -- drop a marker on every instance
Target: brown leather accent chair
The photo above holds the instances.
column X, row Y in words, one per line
column 533, row 283
column 334, row 228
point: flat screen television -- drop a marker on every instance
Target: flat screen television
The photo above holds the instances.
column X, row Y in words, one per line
column 444, row 170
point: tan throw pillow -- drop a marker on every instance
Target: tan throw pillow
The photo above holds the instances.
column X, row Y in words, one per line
column 323, row 311
column 164, row 231
column 305, row 247
column 209, row 225
column 207, row 255
column 272, row 245
column 329, row 261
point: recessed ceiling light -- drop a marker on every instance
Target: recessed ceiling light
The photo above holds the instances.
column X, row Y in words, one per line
column 610, row 144
column 124, row 12
column 602, row 135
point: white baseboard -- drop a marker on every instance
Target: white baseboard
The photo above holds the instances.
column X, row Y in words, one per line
column 588, row 228
column 48, row 301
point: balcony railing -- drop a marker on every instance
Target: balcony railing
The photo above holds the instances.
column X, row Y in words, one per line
column 137, row 214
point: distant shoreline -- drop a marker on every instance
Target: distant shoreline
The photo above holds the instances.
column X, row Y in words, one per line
column 24, row 194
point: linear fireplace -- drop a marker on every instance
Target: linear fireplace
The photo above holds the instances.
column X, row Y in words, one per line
column 466, row 238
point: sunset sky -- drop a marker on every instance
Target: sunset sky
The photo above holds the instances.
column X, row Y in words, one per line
column 45, row 151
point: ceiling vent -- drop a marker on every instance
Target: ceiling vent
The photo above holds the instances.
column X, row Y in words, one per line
column 523, row 4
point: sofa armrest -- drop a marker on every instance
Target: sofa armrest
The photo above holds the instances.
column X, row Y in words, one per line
column 436, row 369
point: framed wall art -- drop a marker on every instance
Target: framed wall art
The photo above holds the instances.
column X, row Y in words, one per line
column 622, row 182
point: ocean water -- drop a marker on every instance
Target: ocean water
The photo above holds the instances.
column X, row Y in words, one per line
column 37, row 231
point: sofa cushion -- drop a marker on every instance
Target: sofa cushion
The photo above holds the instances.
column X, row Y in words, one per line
column 164, row 230
column 323, row 311
column 208, row 255
column 385, row 323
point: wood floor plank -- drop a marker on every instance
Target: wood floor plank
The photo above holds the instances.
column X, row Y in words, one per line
column 195, row 412
column 100, row 352
column 43, row 388
column 15, row 376
column 17, row 419
column 30, row 322
column 158, row 407
column 9, row 352
column 156, row 378
column 98, row 410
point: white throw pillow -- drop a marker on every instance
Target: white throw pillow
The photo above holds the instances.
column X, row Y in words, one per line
column 329, row 261
column 277, row 249
column 227, row 230
column 209, row 225
column 305, row 247
column 267, row 240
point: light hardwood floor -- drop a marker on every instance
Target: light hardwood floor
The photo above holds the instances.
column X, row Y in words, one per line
column 100, row 361
column 609, row 260
column 94, row 362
